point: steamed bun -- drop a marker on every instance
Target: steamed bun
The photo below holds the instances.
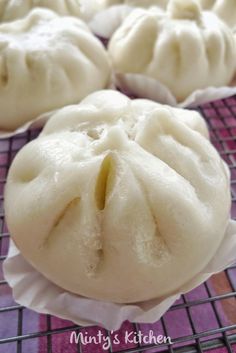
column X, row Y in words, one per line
column 119, row 200
column 46, row 62
column 185, row 48
column 137, row 3
column 225, row 9
column 15, row 9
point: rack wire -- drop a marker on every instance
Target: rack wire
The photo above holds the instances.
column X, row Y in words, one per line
column 203, row 320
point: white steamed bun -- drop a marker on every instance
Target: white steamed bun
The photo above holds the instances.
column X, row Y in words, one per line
column 136, row 3
column 225, row 9
column 15, row 9
column 46, row 62
column 119, row 200
column 185, row 48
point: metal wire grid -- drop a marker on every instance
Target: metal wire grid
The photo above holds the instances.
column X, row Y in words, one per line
column 188, row 313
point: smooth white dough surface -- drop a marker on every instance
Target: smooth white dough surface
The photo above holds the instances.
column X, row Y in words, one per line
column 136, row 3
column 225, row 9
column 47, row 62
column 184, row 48
column 120, row 200
column 15, row 9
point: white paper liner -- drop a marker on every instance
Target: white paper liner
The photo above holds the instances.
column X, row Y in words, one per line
column 33, row 290
column 145, row 87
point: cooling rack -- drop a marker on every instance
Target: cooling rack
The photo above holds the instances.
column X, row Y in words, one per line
column 203, row 320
